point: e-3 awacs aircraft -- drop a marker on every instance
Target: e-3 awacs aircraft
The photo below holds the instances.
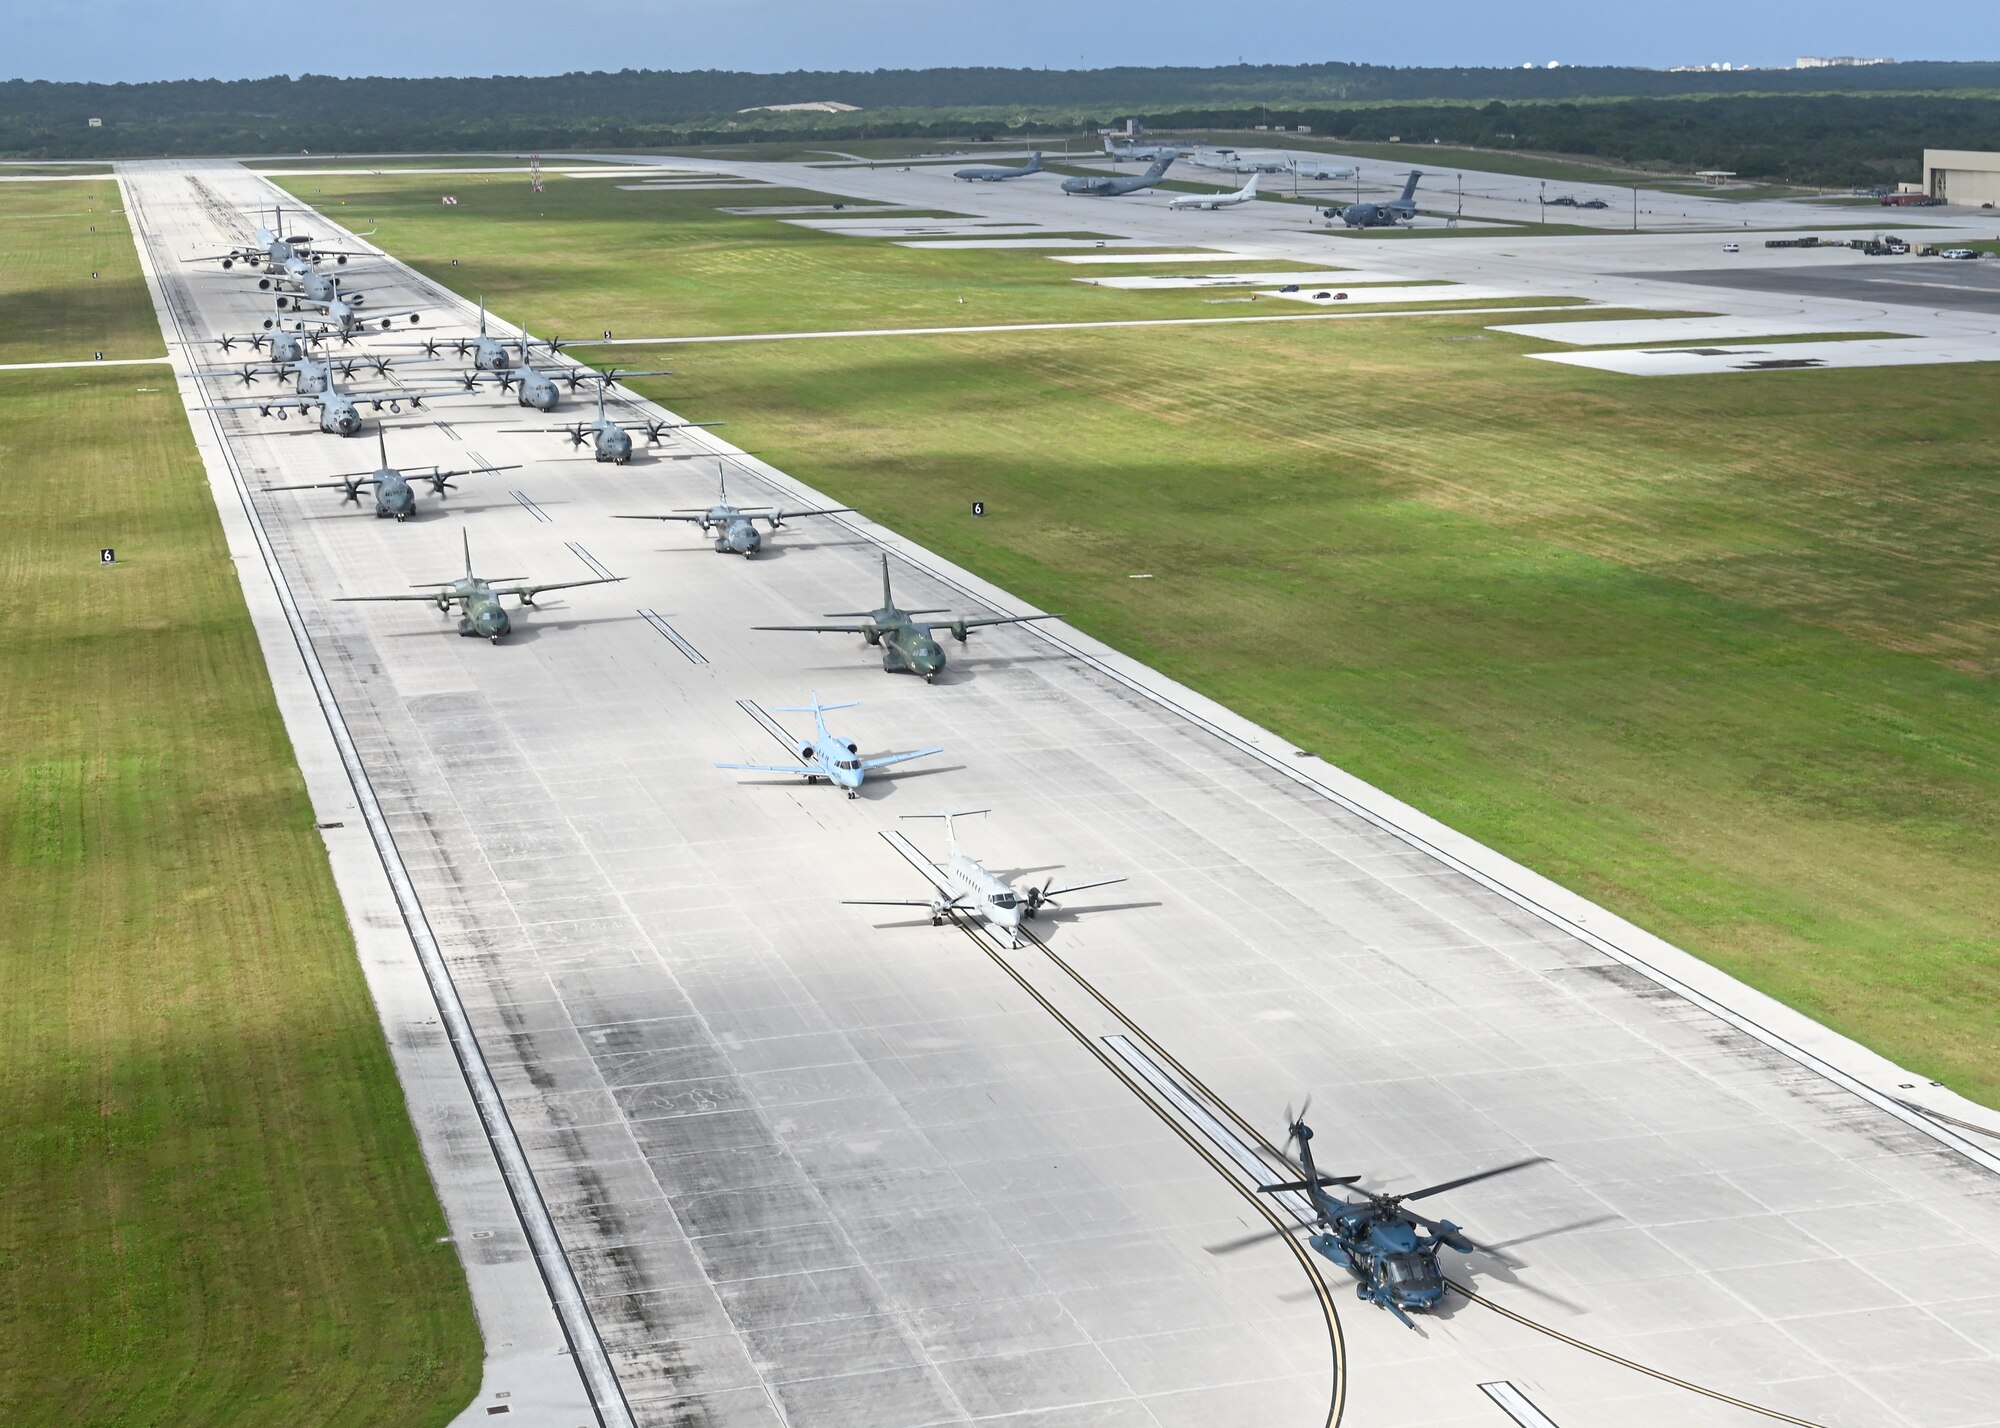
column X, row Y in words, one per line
column 906, row 643
column 394, row 495
column 479, row 600
column 269, row 247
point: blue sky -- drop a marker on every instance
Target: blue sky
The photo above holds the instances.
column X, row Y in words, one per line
column 131, row 40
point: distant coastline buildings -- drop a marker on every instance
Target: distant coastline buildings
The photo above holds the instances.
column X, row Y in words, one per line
column 816, row 106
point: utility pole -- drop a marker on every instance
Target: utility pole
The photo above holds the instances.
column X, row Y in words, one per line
column 1461, row 195
column 1635, row 208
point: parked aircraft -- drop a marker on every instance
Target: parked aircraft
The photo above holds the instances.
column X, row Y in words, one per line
column 1146, row 153
column 735, row 527
column 612, row 440
column 339, row 412
column 268, row 247
column 1113, row 187
column 994, row 173
column 1230, row 161
column 1381, row 215
column 1217, row 200
column 393, row 494
column 1314, row 169
column 963, row 884
column 532, row 387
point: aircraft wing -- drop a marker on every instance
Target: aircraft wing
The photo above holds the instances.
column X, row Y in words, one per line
column 302, row 404
column 529, row 592
column 348, row 482
column 922, row 864
column 870, row 628
column 674, row 517
column 436, row 475
column 431, row 598
column 1083, row 887
column 772, row 768
column 891, row 902
column 977, row 621
column 882, row 761
column 799, row 515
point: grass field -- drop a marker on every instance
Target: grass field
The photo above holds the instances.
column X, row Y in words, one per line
column 215, row 1211
column 51, row 309
column 672, row 264
column 1720, row 653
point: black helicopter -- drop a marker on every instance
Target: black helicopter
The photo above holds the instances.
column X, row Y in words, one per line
column 1391, row 1252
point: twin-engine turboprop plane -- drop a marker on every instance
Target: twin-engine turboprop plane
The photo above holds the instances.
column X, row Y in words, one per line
column 826, row 755
column 963, row 884
column 907, row 644
column 479, row 599
column 735, row 527
column 394, row 496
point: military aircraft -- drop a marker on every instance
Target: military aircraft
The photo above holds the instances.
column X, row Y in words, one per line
column 994, row 173
column 1113, row 187
column 907, row 644
column 393, row 494
column 1230, row 161
column 269, row 247
column 963, row 884
column 735, row 527
column 1149, row 153
column 488, row 353
column 1381, row 215
column 535, row 388
column 826, row 755
column 339, row 412
column 1314, row 169
column 339, row 317
column 285, row 346
column 1217, row 200
column 299, row 276
column 479, row 600
column 612, row 440
column 1392, row 1252
column 308, row 372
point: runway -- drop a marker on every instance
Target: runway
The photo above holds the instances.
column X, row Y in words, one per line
column 811, row 1164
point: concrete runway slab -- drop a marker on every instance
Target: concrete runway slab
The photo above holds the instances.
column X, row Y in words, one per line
column 1319, row 277
column 1624, row 332
column 1909, row 282
column 1195, row 257
column 1335, row 294
column 1784, row 357
column 815, row 1163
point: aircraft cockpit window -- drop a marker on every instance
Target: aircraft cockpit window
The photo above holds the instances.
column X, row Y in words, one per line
column 1407, row 1271
column 1003, row 899
column 847, row 763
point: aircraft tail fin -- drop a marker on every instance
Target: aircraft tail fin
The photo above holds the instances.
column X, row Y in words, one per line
column 466, row 536
column 1161, row 165
column 1250, row 188
column 818, row 710
column 951, row 833
column 888, row 600
column 382, row 444
column 1410, row 185
column 1034, row 165
column 482, row 314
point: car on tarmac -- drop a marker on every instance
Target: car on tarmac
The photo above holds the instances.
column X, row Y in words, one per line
column 1959, row 253
column 1732, row 247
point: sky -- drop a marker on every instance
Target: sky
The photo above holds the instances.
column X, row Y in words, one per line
column 133, row 40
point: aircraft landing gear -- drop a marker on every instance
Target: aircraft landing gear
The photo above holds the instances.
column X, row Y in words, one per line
column 494, row 638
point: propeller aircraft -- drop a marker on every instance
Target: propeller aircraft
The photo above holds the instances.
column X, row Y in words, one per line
column 963, row 884
column 480, row 599
column 906, row 643
column 612, row 440
column 394, row 495
column 1391, row 1251
column 735, row 527
column 535, row 388
column 339, row 412
column 826, row 755
column 340, row 317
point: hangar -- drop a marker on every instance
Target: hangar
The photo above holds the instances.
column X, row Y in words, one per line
column 1963, row 176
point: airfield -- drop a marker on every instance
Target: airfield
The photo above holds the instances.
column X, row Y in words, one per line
column 716, row 1149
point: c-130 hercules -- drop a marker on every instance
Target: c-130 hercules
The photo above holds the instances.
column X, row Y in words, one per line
column 907, row 644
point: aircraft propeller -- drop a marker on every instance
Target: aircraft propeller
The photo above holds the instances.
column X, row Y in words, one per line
column 656, row 431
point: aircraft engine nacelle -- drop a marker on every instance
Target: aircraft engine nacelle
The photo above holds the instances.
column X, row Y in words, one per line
column 805, row 752
column 228, row 262
column 263, row 285
column 959, row 632
column 527, row 597
column 341, row 261
column 872, row 637
column 854, row 748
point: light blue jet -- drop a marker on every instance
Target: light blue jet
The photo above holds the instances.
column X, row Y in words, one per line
column 826, row 755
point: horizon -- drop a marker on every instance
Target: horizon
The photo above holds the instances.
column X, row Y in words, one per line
column 126, row 42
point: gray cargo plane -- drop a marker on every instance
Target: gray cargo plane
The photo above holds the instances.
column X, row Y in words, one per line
column 826, row 755
column 994, row 173
column 308, row 373
column 735, row 527
column 1381, row 215
column 907, row 644
column 1146, row 153
column 339, row 317
column 479, row 600
column 612, row 440
column 339, row 412
column 393, row 494
column 535, row 388
column 964, row 884
column 1112, row 187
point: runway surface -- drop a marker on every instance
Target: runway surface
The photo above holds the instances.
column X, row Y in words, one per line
column 822, row 1165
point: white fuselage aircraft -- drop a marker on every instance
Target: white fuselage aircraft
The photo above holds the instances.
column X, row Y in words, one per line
column 1217, row 200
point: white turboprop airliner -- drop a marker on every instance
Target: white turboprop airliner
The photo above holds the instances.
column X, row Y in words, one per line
column 1218, row 200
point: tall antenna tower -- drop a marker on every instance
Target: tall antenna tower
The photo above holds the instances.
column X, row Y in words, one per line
column 535, row 174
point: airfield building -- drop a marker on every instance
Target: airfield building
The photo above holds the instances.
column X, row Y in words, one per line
column 1962, row 176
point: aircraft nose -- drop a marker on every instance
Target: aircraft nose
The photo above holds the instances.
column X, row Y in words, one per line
column 491, row 622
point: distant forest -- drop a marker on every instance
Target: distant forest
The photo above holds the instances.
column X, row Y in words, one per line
column 1816, row 126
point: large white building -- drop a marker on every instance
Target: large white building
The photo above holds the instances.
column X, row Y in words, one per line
column 1962, row 176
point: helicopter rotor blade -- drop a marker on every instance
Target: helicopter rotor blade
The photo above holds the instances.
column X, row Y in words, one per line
column 1308, row 1184
column 1442, row 1186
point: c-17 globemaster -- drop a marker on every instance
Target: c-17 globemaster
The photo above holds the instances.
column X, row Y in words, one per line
column 1112, row 187
column 393, row 494
column 907, row 644
column 479, row 599
column 1386, row 214
column 826, row 755
column 963, row 884
column 735, row 527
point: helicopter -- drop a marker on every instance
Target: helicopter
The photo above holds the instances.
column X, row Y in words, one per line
column 1392, row 1252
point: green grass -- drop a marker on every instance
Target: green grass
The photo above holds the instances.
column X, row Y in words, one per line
column 1718, row 652
column 215, row 1209
column 51, row 309
column 587, row 255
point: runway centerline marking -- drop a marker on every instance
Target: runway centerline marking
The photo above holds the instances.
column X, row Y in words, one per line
column 694, row 655
column 531, row 508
